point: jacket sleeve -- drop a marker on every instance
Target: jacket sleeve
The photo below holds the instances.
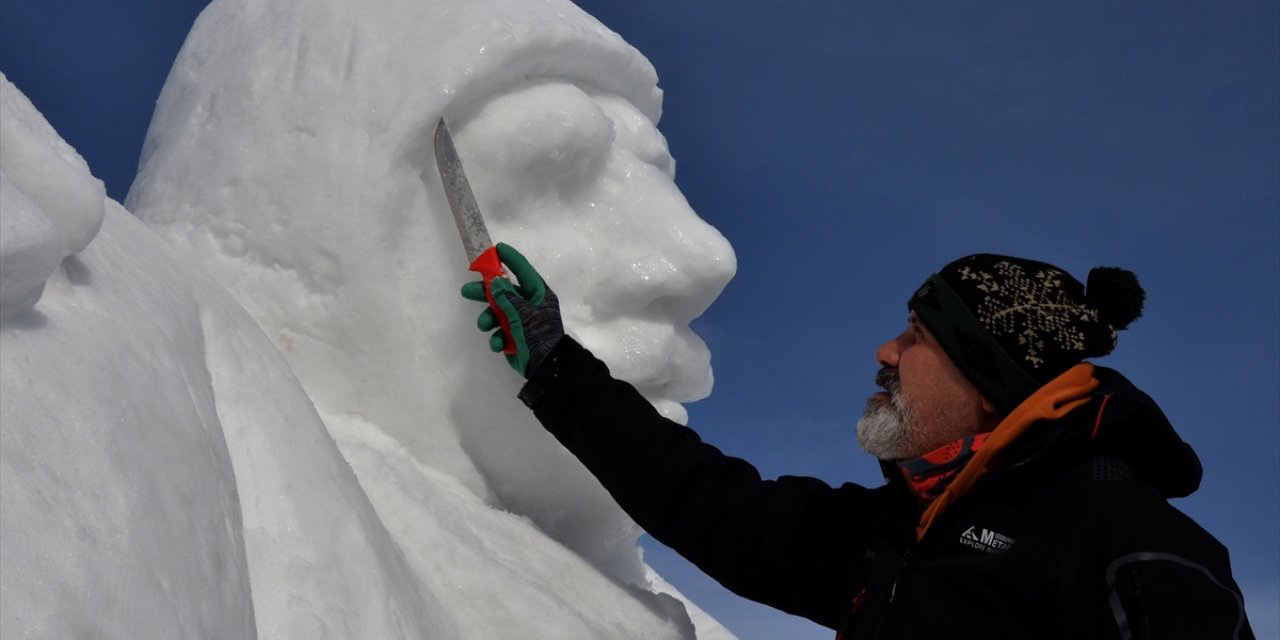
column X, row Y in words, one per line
column 1156, row 572
column 790, row 543
column 1162, row 595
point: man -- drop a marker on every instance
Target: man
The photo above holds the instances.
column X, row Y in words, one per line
column 1026, row 493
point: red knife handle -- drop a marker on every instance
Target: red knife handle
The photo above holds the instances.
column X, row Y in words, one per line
column 489, row 266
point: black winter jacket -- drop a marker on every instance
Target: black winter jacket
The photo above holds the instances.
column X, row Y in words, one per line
column 1070, row 537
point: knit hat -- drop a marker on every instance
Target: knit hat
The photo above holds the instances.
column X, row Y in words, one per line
column 1011, row 325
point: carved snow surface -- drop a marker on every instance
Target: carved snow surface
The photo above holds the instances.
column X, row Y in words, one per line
column 254, row 405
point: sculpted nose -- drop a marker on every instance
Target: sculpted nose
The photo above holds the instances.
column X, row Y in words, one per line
column 676, row 272
column 704, row 263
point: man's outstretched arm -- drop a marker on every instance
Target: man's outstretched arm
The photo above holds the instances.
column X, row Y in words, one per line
column 789, row 543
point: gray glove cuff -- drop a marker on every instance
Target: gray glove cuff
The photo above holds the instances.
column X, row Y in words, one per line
column 542, row 327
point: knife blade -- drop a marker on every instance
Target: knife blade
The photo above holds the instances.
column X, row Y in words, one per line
column 481, row 252
column 462, row 202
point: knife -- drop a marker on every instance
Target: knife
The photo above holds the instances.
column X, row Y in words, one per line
column 466, row 214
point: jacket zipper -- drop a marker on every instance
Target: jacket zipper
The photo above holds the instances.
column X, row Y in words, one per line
column 902, row 570
column 877, row 631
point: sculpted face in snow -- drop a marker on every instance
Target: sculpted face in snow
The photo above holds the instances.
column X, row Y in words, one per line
column 291, row 152
column 135, row 388
column 583, row 183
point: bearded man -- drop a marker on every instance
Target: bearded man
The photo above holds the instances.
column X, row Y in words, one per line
column 1027, row 492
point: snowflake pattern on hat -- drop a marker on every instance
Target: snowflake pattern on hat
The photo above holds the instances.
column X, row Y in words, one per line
column 1032, row 306
column 1012, row 324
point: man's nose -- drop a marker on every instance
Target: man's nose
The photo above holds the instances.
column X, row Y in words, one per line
column 887, row 354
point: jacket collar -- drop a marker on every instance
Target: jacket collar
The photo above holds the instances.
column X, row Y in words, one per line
column 1119, row 419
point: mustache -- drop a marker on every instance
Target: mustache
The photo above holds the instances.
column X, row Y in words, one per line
column 887, row 379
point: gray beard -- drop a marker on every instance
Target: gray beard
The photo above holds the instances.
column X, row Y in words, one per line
column 883, row 428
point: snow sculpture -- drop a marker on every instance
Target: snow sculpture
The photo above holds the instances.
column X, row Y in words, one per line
column 291, row 153
column 163, row 474
column 53, row 206
column 169, row 470
column 141, row 497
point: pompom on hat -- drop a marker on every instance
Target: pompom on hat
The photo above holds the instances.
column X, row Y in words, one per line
column 1011, row 325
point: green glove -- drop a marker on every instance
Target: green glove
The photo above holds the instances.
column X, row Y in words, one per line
column 530, row 307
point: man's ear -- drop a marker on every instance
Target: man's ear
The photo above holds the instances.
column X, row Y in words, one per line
column 990, row 410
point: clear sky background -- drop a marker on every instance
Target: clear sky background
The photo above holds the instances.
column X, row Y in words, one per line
column 849, row 149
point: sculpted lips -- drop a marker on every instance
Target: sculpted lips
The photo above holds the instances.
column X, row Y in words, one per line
column 668, row 363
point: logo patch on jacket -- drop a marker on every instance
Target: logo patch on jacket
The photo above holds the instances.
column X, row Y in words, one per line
column 986, row 540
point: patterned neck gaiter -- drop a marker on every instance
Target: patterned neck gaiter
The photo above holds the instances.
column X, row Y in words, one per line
column 929, row 475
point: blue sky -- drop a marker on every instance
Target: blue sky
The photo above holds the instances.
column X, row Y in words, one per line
column 848, row 149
